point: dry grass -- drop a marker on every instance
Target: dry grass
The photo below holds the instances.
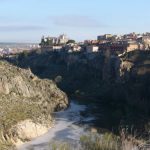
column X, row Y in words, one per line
column 94, row 141
column 107, row 141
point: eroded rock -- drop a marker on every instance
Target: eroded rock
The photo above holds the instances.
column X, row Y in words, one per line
column 26, row 103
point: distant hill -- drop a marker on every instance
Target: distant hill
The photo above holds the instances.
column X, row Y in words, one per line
column 16, row 45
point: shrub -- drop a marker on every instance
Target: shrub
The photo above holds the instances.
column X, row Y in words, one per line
column 107, row 141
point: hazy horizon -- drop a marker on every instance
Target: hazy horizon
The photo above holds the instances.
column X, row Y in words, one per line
column 26, row 21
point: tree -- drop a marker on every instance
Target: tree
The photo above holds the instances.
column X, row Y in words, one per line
column 71, row 41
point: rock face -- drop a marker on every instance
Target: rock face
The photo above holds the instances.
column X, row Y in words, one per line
column 125, row 68
column 24, row 97
column 96, row 69
column 27, row 130
column 135, row 64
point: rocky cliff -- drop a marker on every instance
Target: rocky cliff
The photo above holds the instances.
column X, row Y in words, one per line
column 26, row 102
column 135, row 64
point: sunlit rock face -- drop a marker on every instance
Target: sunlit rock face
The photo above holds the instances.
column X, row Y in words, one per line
column 27, row 130
column 24, row 97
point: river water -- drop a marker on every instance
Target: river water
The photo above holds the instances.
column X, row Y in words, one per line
column 68, row 128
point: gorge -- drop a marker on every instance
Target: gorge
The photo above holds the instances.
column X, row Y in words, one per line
column 115, row 89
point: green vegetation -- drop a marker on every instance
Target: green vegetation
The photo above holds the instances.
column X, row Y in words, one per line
column 94, row 141
column 103, row 142
column 17, row 112
column 6, row 145
column 12, row 112
column 62, row 146
column 71, row 41
column 23, row 55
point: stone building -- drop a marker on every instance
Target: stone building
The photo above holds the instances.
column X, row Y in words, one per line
column 132, row 46
column 92, row 48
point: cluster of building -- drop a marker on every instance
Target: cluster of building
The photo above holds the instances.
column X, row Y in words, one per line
column 59, row 43
column 119, row 43
column 5, row 51
column 116, row 43
column 53, row 42
column 14, row 48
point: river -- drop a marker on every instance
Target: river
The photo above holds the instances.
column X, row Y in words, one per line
column 68, row 128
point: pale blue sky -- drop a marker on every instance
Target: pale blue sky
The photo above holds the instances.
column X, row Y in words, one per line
column 28, row 20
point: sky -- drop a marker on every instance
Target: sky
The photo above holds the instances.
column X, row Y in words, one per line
column 29, row 20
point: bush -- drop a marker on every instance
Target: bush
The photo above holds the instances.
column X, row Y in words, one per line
column 107, row 141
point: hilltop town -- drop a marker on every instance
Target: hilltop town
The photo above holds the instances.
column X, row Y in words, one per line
column 115, row 43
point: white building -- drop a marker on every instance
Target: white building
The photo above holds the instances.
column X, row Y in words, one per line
column 50, row 41
column 92, row 48
column 7, row 51
column 1, row 49
column 63, row 39
column 76, row 48
column 57, row 48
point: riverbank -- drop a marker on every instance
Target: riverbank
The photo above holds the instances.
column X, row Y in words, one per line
column 68, row 128
column 72, row 131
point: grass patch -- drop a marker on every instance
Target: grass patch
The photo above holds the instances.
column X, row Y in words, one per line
column 107, row 141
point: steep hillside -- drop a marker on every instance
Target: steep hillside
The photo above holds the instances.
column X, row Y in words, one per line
column 26, row 100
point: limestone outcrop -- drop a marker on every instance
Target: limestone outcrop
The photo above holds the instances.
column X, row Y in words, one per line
column 26, row 99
